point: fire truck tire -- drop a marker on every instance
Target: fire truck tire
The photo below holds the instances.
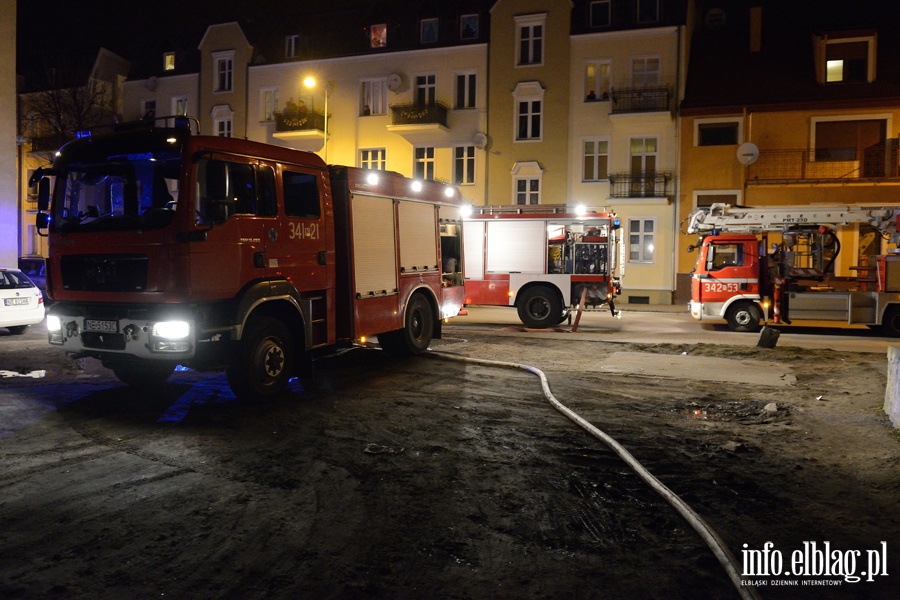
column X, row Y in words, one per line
column 137, row 373
column 539, row 307
column 264, row 360
column 744, row 317
column 890, row 323
column 417, row 332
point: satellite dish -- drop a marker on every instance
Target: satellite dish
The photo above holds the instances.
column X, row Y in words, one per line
column 152, row 82
column 747, row 153
column 394, row 81
column 480, row 140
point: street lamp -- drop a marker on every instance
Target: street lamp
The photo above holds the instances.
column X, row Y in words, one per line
column 310, row 82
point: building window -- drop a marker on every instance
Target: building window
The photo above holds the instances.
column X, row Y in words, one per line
column 464, row 165
column 528, row 190
column 528, row 113
column 378, row 36
column 373, row 159
column 465, row 90
column 222, row 117
column 180, row 106
column 643, row 155
column 596, row 80
column 530, row 39
column 848, row 140
column 425, row 90
column 223, row 127
column 600, row 14
column 290, row 45
column 373, row 97
column 848, row 60
column 595, row 160
column 641, row 240
column 169, row 61
column 468, row 27
column 717, row 132
column 428, row 31
column 423, row 167
column 647, row 11
column 268, row 102
column 148, row 109
column 705, row 199
column 224, row 73
column 645, row 71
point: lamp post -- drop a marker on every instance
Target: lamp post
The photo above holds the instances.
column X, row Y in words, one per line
column 310, row 82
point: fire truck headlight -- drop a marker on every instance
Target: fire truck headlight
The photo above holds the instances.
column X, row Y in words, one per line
column 465, row 211
column 170, row 336
column 581, row 210
column 54, row 324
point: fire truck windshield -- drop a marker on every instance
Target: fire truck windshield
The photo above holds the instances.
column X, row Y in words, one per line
column 116, row 192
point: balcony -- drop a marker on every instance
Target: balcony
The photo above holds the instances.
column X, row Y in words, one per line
column 302, row 131
column 626, row 100
column 419, row 123
column 872, row 164
column 640, row 185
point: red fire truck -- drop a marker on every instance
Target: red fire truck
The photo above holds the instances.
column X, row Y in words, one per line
column 541, row 259
column 738, row 279
column 170, row 248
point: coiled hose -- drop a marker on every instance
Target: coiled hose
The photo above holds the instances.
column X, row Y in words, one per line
column 712, row 539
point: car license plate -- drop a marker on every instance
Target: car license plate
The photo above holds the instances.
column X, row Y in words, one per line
column 101, row 326
column 15, row 302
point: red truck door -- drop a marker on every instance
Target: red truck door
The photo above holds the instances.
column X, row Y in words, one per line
column 297, row 246
column 729, row 267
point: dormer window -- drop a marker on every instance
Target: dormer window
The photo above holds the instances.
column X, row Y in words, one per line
column 846, row 58
column 290, row 45
column 169, row 61
column 378, row 36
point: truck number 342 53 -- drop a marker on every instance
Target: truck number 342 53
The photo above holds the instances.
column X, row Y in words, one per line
column 304, row 231
column 720, row 286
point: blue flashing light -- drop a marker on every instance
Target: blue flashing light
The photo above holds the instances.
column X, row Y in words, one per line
column 617, row 223
column 82, row 134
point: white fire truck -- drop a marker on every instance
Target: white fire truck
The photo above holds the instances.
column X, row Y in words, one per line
column 211, row 252
column 739, row 277
column 541, row 259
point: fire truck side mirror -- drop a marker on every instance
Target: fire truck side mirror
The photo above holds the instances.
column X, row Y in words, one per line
column 44, row 194
column 42, row 221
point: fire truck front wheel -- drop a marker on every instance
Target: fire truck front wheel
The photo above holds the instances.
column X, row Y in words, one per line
column 264, row 360
column 890, row 323
column 743, row 316
column 539, row 307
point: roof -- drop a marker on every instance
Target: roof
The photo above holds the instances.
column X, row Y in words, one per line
column 723, row 73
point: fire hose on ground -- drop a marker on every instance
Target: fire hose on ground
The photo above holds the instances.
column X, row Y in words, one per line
column 712, row 539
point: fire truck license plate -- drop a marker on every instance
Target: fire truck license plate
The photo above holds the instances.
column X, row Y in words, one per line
column 15, row 301
column 101, row 326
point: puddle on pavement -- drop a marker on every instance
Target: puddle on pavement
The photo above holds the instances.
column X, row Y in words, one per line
column 32, row 374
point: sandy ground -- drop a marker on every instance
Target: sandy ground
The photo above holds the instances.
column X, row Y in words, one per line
column 431, row 478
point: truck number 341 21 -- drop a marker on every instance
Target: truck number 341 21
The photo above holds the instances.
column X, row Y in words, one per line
column 304, row 231
column 720, row 287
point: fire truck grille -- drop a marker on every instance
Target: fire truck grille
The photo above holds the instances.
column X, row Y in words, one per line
column 104, row 272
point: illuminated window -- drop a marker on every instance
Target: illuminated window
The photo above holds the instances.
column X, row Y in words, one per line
column 378, row 36
column 847, row 61
column 596, row 80
column 180, row 105
column 169, row 61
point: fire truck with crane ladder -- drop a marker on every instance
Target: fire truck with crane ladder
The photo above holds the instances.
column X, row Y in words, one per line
column 737, row 279
column 542, row 259
column 169, row 248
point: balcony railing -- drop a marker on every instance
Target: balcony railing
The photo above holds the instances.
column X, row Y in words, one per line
column 419, row 114
column 640, row 185
column 639, row 99
column 311, row 121
column 785, row 166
